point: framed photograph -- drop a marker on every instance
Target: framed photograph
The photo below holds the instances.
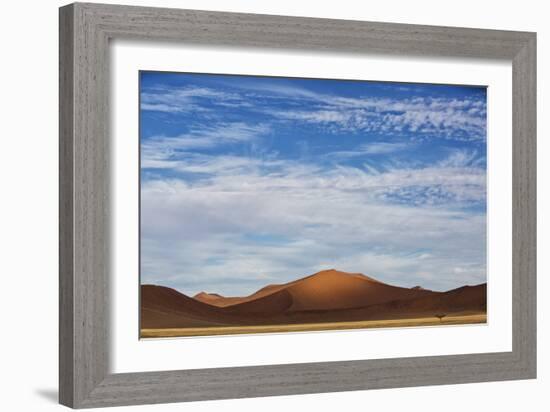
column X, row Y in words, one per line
column 247, row 180
column 256, row 205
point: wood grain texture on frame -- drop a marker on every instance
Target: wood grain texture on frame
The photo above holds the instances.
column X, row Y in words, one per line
column 85, row 31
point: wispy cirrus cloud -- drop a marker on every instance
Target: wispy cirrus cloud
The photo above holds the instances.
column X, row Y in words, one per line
column 462, row 119
column 444, row 118
column 163, row 151
column 373, row 148
column 187, row 99
column 383, row 147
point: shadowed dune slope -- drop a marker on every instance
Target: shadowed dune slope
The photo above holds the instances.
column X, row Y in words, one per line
column 272, row 304
column 222, row 301
column 462, row 301
column 218, row 300
column 465, row 298
column 163, row 307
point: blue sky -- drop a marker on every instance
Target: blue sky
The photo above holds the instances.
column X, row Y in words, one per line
column 252, row 180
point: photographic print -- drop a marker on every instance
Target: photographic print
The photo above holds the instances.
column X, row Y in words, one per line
column 276, row 204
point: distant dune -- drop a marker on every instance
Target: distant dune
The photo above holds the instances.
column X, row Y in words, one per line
column 326, row 296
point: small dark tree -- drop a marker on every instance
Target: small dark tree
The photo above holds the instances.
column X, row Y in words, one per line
column 440, row 316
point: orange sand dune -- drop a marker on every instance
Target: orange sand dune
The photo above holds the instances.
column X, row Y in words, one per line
column 332, row 289
column 325, row 290
column 326, row 296
column 328, row 289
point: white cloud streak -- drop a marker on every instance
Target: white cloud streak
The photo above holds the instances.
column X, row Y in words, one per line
column 162, row 152
column 187, row 99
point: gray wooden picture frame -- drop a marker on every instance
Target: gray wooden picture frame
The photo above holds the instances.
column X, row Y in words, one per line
column 85, row 31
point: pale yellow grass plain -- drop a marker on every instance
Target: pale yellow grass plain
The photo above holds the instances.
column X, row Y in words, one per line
column 391, row 323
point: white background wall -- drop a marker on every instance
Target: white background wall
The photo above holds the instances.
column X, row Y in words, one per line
column 28, row 205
